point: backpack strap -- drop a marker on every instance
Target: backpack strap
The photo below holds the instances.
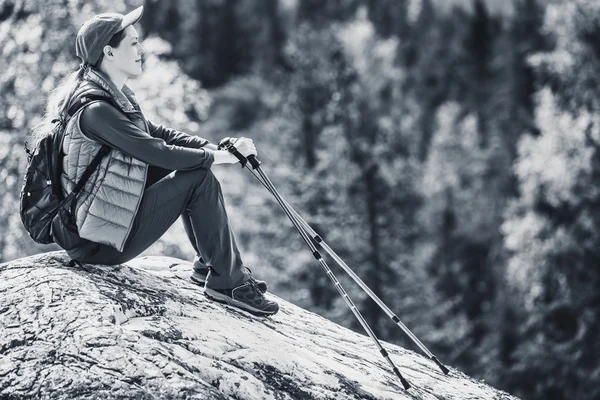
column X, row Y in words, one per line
column 90, row 169
column 86, row 175
column 86, row 99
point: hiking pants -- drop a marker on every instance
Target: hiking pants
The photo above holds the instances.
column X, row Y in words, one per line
column 196, row 196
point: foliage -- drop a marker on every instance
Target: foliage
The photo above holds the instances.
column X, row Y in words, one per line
column 552, row 229
column 552, row 232
column 219, row 40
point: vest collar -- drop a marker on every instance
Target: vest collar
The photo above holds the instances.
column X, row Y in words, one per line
column 125, row 98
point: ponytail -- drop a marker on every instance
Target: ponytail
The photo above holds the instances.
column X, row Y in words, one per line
column 63, row 103
column 56, row 106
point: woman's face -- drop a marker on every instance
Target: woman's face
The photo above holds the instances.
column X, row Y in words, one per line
column 128, row 56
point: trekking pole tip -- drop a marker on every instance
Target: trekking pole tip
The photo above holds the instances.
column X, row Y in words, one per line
column 405, row 384
column 442, row 366
column 404, row 381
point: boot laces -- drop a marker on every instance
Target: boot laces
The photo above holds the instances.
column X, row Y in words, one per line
column 254, row 286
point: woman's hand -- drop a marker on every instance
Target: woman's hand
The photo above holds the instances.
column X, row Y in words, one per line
column 245, row 146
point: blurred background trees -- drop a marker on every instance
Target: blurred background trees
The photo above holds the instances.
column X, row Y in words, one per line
column 446, row 150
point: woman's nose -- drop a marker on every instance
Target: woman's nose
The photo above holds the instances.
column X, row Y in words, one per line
column 141, row 50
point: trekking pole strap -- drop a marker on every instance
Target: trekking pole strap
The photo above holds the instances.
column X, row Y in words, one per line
column 238, row 155
column 229, row 145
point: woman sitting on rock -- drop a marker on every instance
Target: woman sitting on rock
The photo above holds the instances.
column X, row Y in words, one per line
column 152, row 174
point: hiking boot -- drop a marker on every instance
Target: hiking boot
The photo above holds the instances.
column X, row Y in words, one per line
column 262, row 285
column 200, row 273
column 246, row 296
column 199, row 276
column 199, row 263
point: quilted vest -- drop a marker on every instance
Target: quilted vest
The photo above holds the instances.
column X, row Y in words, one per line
column 107, row 205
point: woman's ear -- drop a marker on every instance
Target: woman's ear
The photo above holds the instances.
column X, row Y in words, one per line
column 107, row 50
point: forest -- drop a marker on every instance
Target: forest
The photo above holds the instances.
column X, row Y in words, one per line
column 446, row 149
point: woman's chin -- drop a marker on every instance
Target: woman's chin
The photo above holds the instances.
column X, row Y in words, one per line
column 136, row 73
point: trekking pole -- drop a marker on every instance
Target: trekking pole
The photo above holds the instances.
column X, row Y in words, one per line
column 316, row 238
column 256, row 165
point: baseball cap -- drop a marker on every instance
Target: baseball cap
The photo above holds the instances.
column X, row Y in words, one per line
column 96, row 32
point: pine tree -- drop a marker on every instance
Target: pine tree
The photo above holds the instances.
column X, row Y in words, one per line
column 552, row 230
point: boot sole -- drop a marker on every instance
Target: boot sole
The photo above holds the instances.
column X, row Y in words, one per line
column 198, row 281
column 222, row 298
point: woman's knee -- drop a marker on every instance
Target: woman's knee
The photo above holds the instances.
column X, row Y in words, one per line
column 197, row 176
column 195, row 179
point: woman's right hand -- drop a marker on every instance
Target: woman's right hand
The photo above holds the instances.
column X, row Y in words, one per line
column 245, row 146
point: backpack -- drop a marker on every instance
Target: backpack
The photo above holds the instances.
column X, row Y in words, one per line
column 46, row 214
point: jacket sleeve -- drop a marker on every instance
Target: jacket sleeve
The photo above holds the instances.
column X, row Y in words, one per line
column 105, row 124
column 175, row 137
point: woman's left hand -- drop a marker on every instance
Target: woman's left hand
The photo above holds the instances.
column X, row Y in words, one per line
column 246, row 147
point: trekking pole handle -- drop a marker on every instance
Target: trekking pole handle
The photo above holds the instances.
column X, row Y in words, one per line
column 239, row 156
column 229, row 145
column 253, row 161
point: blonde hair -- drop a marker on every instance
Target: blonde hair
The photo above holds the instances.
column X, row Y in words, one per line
column 56, row 106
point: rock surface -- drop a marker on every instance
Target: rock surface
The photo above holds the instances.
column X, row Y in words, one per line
column 142, row 330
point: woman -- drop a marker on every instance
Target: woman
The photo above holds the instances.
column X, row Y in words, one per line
column 152, row 174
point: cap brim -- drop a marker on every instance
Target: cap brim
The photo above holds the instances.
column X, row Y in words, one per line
column 132, row 18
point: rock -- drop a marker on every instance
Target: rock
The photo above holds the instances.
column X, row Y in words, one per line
column 142, row 330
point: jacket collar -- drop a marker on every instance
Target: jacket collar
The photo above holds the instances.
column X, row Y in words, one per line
column 125, row 97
